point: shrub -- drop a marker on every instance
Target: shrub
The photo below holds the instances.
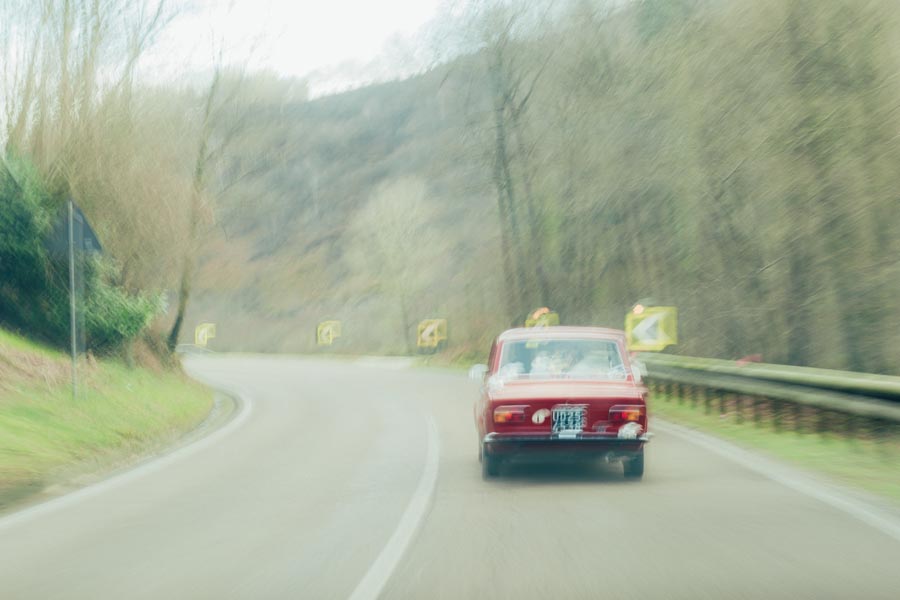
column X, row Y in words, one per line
column 113, row 316
column 34, row 292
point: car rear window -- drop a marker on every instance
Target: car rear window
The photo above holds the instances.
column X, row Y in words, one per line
column 562, row 359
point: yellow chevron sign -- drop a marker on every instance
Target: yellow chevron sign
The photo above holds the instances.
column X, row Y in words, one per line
column 327, row 332
column 431, row 332
column 203, row 333
column 651, row 328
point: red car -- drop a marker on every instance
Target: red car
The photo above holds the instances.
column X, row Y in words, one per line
column 561, row 392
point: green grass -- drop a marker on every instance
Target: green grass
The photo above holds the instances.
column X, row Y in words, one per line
column 16, row 342
column 47, row 437
column 870, row 465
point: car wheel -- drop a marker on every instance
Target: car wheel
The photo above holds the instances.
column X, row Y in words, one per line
column 634, row 467
column 490, row 465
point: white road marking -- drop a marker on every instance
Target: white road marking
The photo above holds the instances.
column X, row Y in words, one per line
column 377, row 576
column 791, row 478
column 245, row 408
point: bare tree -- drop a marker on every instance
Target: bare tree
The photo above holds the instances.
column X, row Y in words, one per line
column 394, row 241
column 206, row 154
column 512, row 79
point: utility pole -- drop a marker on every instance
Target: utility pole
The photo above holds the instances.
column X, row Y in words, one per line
column 72, row 314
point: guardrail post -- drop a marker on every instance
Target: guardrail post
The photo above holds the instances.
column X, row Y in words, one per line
column 821, row 422
column 757, row 410
column 797, row 418
column 881, row 437
column 776, row 415
column 739, row 409
column 707, row 401
column 851, row 423
column 889, row 443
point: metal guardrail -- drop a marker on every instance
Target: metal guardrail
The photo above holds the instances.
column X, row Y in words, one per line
column 864, row 384
column 798, row 398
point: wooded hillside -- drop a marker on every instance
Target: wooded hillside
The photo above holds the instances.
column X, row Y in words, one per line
column 737, row 160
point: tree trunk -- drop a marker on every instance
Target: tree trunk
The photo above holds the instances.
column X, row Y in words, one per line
column 198, row 186
column 515, row 274
column 796, row 309
column 534, row 229
column 404, row 315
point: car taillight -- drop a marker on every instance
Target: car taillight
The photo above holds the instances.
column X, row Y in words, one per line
column 509, row 414
column 627, row 421
column 621, row 414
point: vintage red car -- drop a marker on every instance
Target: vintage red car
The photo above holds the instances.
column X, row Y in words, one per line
column 561, row 392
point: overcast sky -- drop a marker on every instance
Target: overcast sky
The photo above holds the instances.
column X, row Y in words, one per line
column 333, row 41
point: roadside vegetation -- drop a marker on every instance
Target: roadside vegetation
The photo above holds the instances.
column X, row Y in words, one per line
column 34, row 276
column 82, row 120
column 121, row 413
column 79, row 121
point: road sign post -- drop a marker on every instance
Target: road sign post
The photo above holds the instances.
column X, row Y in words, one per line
column 73, row 320
column 71, row 239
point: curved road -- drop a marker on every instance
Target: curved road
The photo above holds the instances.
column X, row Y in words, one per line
column 341, row 479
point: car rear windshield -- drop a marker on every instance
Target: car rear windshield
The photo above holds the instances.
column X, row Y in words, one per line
column 562, row 359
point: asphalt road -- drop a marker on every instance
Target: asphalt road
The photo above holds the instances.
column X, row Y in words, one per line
column 359, row 478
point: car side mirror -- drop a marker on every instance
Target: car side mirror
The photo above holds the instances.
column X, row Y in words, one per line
column 477, row 372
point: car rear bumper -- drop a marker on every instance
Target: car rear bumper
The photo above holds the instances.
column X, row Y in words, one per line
column 583, row 444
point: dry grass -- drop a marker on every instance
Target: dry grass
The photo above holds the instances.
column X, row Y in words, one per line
column 23, row 364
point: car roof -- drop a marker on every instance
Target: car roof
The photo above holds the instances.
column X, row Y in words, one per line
column 560, row 332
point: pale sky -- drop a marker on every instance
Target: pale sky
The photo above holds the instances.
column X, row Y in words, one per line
column 334, row 42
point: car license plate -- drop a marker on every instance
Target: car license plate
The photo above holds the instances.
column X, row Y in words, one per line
column 568, row 419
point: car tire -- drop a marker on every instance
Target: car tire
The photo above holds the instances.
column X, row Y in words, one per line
column 634, row 467
column 490, row 465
